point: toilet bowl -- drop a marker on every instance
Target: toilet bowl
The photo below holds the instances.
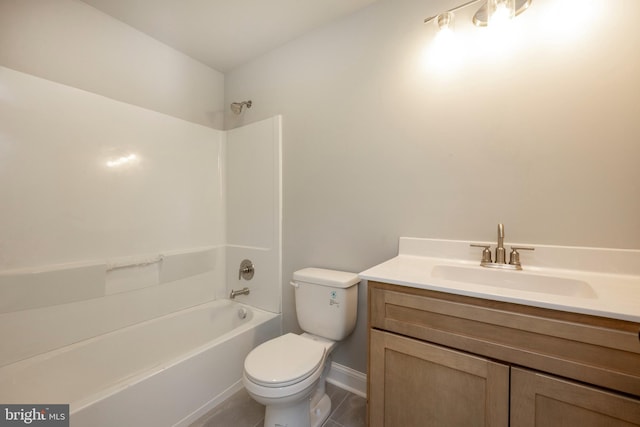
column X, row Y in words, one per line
column 287, row 374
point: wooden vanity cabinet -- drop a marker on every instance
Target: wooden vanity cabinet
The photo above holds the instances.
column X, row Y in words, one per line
column 412, row 381
column 543, row 401
column 437, row 359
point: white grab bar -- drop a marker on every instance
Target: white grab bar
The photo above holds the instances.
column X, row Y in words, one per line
column 137, row 263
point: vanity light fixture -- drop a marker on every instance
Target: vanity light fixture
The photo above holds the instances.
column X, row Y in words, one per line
column 491, row 11
column 499, row 10
column 445, row 21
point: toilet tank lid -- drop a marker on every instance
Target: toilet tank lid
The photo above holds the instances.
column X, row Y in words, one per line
column 321, row 276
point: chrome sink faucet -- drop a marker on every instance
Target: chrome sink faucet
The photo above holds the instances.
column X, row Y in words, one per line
column 514, row 255
column 500, row 248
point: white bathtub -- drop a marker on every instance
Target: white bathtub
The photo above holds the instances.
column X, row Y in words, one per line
column 163, row 372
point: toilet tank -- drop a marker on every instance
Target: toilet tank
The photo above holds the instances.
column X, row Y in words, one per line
column 326, row 301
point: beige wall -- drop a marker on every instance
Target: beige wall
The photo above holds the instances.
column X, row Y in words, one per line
column 69, row 42
column 543, row 137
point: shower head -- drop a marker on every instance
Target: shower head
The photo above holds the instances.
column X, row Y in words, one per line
column 236, row 107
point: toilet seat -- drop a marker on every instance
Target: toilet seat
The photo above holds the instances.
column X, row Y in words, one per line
column 283, row 361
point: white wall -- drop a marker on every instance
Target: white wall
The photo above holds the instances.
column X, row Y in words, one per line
column 72, row 43
column 63, row 202
column 71, row 217
column 254, row 210
column 377, row 144
column 79, row 89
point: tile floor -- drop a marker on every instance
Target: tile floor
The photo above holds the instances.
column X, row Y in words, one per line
column 347, row 410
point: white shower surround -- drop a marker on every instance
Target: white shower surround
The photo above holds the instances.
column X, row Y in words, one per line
column 70, row 217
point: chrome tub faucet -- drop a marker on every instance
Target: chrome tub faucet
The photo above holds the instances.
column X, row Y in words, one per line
column 243, row 291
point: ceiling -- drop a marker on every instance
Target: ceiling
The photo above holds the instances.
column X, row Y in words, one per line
column 226, row 33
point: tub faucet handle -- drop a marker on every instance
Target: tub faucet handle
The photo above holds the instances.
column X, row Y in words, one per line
column 246, row 270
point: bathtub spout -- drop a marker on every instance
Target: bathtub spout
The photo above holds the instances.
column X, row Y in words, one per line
column 243, row 291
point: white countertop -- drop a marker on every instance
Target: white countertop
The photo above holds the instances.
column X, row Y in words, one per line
column 612, row 276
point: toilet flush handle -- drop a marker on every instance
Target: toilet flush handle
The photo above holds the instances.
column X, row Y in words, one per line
column 294, row 284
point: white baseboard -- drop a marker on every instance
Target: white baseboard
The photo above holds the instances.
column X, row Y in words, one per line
column 348, row 379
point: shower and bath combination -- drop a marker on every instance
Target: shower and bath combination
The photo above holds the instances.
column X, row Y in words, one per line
column 237, row 107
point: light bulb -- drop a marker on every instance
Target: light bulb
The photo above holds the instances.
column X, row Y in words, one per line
column 444, row 53
column 445, row 22
column 500, row 11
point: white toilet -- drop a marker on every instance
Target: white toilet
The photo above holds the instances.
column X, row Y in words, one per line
column 287, row 374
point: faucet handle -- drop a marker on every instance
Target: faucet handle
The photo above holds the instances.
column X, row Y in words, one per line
column 514, row 255
column 246, row 270
column 486, row 253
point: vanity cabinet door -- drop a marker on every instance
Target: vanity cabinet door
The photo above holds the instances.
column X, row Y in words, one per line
column 544, row 401
column 416, row 384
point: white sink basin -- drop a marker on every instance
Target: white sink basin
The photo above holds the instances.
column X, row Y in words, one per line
column 517, row 280
column 595, row 281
